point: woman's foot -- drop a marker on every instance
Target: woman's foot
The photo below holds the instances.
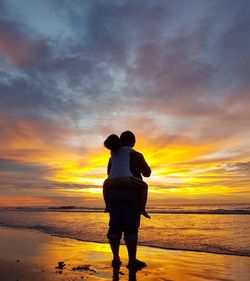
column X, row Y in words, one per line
column 137, row 264
column 106, row 210
column 145, row 214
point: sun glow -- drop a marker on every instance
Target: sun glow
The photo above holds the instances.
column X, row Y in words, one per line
column 179, row 170
column 175, row 170
column 93, row 190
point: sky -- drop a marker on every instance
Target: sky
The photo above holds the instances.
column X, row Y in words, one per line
column 176, row 73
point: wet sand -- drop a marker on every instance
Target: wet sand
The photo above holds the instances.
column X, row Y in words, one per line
column 27, row 255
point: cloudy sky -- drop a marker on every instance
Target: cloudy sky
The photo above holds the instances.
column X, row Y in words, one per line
column 176, row 73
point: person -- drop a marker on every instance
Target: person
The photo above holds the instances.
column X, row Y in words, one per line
column 124, row 208
column 120, row 174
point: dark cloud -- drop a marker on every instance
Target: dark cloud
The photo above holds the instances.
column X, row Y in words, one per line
column 14, row 166
column 32, row 139
column 2, row 8
column 240, row 168
column 37, row 98
column 196, row 64
column 185, row 68
column 17, row 175
column 16, row 46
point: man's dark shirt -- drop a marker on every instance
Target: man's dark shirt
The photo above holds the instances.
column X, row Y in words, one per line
column 138, row 165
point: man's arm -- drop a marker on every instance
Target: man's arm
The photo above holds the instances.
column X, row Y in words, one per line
column 109, row 166
column 105, row 190
column 145, row 169
column 105, row 193
column 138, row 165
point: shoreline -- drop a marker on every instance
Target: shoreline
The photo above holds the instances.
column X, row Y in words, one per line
column 139, row 244
column 32, row 255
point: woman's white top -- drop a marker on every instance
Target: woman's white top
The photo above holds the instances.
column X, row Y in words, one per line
column 120, row 163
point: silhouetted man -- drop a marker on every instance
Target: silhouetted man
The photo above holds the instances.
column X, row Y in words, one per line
column 124, row 208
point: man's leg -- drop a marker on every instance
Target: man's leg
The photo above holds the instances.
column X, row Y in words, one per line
column 132, row 248
column 114, row 235
column 115, row 246
column 131, row 226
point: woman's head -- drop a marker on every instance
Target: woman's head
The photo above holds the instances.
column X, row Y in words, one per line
column 112, row 142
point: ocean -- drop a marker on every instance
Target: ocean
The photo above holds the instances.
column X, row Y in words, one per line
column 221, row 229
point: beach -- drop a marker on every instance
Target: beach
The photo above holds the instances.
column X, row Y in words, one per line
column 28, row 255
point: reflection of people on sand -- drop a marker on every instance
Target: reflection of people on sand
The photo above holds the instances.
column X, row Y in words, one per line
column 132, row 274
column 125, row 200
column 117, row 273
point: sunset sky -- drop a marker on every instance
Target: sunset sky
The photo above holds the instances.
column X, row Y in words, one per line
column 176, row 73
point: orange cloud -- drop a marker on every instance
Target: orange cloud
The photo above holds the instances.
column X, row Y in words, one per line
column 19, row 50
column 179, row 168
column 26, row 201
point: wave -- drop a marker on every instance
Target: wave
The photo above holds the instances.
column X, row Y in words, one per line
column 213, row 249
column 207, row 212
column 242, row 211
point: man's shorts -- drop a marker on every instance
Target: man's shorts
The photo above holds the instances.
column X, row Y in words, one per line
column 127, row 182
column 124, row 214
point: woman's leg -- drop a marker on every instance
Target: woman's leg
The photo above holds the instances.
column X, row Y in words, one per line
column 143, row 195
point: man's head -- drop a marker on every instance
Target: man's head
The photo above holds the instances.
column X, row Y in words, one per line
column 127, row 139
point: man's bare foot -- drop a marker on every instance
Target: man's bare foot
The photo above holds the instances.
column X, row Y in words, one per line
column 136, row 264
column 145, row 214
